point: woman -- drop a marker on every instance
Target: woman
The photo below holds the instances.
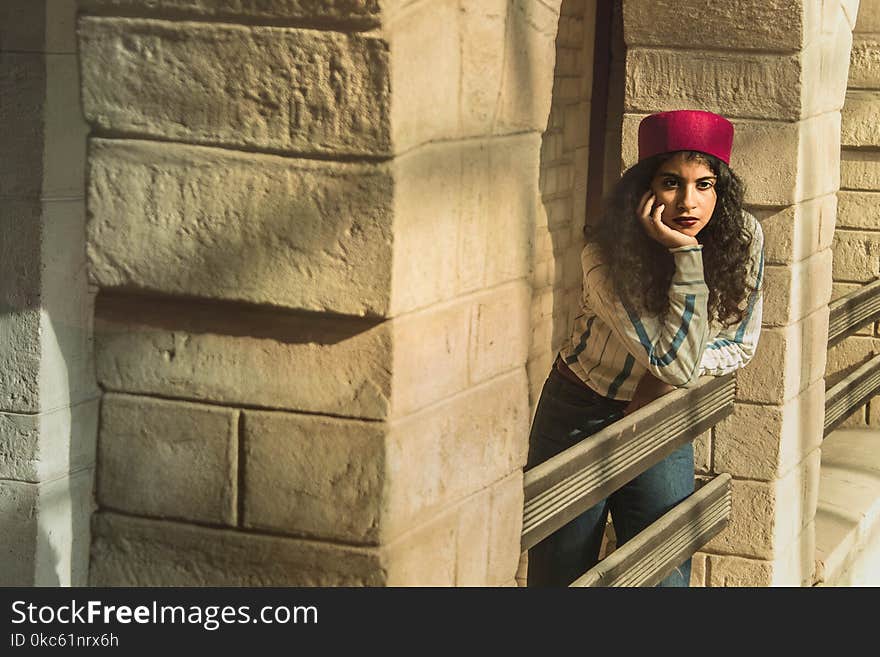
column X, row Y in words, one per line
column 672, row 291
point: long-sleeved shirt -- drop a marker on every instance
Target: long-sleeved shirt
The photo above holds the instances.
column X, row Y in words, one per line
column 612, row 346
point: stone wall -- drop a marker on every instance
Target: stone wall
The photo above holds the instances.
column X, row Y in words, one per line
column 311, row 226
column 857, row 236
column 778, row 70
column 48, row 396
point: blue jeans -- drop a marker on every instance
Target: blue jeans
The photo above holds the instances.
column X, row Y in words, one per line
column 566, row 414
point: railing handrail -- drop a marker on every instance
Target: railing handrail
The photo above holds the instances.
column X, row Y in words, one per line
column 560, row 488
column 853, row 311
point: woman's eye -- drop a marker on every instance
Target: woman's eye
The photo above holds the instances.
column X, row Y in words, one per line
column 704, row 184
column 669, row 183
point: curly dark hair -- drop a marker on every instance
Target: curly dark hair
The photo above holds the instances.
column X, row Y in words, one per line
column 642, row 269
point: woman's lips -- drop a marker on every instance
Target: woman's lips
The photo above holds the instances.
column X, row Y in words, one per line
column 685, row 222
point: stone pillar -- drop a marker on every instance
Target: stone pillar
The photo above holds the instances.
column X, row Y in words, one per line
column 311, row 227
column 778, row 70
column 48, row 397
column 857, row 236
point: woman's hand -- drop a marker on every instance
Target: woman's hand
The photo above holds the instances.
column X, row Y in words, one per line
column 656, row 229
column 649, row 389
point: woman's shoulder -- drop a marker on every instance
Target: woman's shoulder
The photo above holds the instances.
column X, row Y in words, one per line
column 753, row 226
column 591, row 256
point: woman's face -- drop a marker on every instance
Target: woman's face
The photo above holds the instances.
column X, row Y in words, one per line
column 687, row 189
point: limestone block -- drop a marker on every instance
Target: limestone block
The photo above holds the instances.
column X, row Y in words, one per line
column 505, row 529
column 846, row 356
column 168, row 459
column 45, row 446
column 864, row 68
column 240, row 226
column 781, row 162
column 280, row 89
column 45, row 541
column 129, row 551
column 753, row 24
column 22, row 134
column 761, row 442
column 797, row 290
column 361, row 10
column 793, row 568
column 858, row 210
column 856, row 256
column 791, row 233
column 249, row 357
column 859, row 170
column 839, row 290
column 530, row 56
column 767, row 517
column 472, row 540
column 868, row 19
column 482, row 44
column 787, row 361
column 826, row 64
column 860, row 124
column 698, row 570
column 703, row 453
column 65, row 130
column 740, row 84
column 42, row 26
column 313, row 476
column 426, row 556
column 499, row 331
column 451, row 450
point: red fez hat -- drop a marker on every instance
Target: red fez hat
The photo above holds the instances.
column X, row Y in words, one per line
column 685, row 130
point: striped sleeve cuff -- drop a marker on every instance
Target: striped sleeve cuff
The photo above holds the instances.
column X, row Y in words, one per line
column 688, row 265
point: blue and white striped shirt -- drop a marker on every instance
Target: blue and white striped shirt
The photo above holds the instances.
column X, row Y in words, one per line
column 611, row 346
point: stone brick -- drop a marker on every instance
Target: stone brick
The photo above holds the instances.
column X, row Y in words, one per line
column 317, row 235
column 65, row 130
column 236, row 9
column 698, row 570
column 45, row 541
column 767, row 517
column 22, row 134
column 168, row 459
column 472, row 540
column 739, row 84
column 703, row 452
column 425, row 556
column 864, row 68
column 786, row 362
column 786, row 162
column 313, row 476
column 860, row 122
column 858, row 210
column 859, row 170
column 530, row 53
column 130, row 551
column 761, row 442
column 868, row 19
column 40, row 26
column 45, row 446
column 826, row 67
column 795, row 291
column 839, row 290
column 795, row 232
column 454, row 449
column 846, row 356
column 482, row 44
column 199, row 352
column 499, row 331
column 243, row 86
column 794, row 567
column 505, row 529
column 752, row 24
column 856, row 256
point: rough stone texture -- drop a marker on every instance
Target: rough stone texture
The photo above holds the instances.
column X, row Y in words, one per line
column 45, row 446
column 314, row 476
column 427, row 555
column 767, row 517
column 23, row 89
column 859, row 170
column 472, row 540
column 864, row 68
column 797, row 290
column 258, row 87
column 786, row 162
column 505, row 529
column 45, row 541
column 868, row 19
column 797, row 232
column 787, row 361
column 826, row 64
column 454, row 449
column 242, row 227
column 856, row 256
column 168, row 459
column 743, row 85
column 139, row 552
column 858, row 210
column 249, row 357
column 793, row 568
column 43, row 26
column 244, row 9
column 703, row 452
column 744, row 25
column 698, row 570
column 762, row 442
column 860, row 124
column 482, row 33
